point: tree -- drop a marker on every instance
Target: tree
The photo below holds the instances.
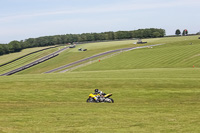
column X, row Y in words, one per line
column 110, row 35
column 15, row 46
column 178, row 32
column 156, row 34
column 1, row 50
column 185, row 32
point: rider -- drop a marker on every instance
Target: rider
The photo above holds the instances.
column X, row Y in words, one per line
column 99, row 95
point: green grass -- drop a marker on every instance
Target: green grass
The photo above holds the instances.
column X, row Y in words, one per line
column 176, row 52
column 25, row 60
column 146, row 100
column 151, row 95
column 9, row 57
column 73, row 55
column 172, row 54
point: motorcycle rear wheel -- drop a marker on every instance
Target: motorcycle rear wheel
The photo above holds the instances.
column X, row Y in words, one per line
column 90, row 100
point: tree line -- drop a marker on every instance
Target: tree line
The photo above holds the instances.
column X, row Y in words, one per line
column 16, row 46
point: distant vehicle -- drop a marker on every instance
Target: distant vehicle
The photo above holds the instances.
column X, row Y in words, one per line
column 80, row 49
column 72, row 46
column 140, row 41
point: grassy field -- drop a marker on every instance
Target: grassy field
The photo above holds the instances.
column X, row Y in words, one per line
column 172, row 54
column 24, row 60
column 12, row 56
column 176, row 52
column 155, row 90
column 73, row 55
column 146, row 100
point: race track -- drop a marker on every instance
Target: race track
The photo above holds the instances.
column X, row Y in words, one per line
column 98, row 55
column 54, row 54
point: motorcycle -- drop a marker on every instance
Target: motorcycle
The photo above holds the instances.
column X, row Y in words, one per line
column 100, row 98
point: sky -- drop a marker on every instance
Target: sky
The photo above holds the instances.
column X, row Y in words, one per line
column 23, row 19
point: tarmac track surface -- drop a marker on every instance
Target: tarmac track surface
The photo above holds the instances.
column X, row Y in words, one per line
column 104, row 53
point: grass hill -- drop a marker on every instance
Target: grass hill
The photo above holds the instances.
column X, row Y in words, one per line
column 182, row 52
column 176, row 52
column 73, row 54
column 9, row 57
column 155, row 90
column 25, row 60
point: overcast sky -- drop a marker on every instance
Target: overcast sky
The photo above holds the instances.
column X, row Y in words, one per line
column 22, row 19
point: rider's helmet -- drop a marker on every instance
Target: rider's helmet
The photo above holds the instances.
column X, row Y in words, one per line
column 96, row 90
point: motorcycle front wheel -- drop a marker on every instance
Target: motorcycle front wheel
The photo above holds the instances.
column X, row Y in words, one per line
column 109, row 100
column 112, row 101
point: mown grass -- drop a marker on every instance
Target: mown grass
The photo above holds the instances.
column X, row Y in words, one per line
column 25, row 60
column 9, row 57
column 151, row 95
column 176, row 52
column 73, row 55
column 172, row 54
column 146, row 100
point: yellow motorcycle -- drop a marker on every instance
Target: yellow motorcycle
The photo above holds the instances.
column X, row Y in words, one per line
column 100, row 98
